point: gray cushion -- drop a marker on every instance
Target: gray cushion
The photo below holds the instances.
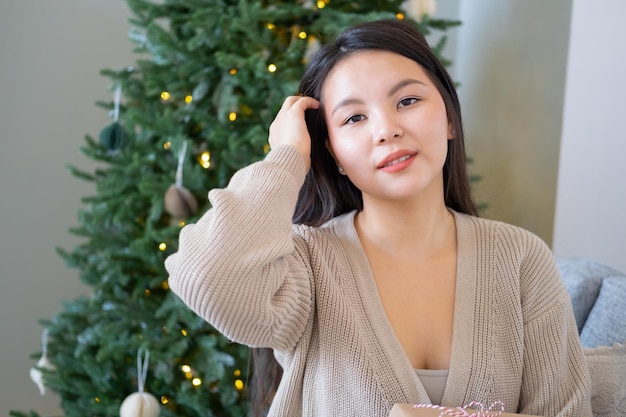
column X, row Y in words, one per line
column 607, row 366
column 583, row 279
column 606, row 323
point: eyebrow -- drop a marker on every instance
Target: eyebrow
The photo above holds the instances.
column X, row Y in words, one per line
column 392, row 91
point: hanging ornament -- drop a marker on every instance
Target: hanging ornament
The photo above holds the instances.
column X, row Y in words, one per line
column 141, row 404
column 312, row 46
column 178, row 201
column 308, row 4
column 416, row 9
column 113, row 137
column 43, row 363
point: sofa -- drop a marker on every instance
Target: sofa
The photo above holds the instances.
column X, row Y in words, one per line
column 598, row 294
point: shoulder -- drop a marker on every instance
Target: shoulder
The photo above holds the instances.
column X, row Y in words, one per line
column 341, row 226
column 512, row 250
column 494, row 235
column 517, row 255
column 335, row 237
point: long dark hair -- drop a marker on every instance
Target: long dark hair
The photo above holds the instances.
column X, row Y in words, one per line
column 325, row 193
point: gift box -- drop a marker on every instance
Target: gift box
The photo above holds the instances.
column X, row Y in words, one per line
column 412, row 410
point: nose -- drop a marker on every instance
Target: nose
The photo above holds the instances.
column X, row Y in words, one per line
column 387, row 128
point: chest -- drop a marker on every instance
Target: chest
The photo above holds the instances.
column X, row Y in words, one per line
column 418, row 299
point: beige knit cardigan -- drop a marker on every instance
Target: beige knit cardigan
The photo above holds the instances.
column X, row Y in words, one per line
column 309, row 294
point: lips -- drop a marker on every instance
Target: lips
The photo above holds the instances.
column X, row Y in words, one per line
column 396, row 158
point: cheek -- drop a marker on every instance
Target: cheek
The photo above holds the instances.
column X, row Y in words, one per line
column 344, row 151
column 439, row 127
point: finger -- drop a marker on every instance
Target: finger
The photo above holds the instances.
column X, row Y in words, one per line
column 306, row 103
column 289, row 125
column 300, row 102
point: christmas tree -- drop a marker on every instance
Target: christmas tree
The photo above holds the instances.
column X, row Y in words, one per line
column 194, row 108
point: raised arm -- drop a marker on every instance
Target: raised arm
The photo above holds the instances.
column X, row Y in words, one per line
column 241, row 266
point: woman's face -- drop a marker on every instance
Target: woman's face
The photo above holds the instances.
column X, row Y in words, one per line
column 387, row 126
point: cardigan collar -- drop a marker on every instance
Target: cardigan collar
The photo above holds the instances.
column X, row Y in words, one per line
column 409, row 389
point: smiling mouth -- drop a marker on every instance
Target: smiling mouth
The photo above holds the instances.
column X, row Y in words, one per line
column 396, row 161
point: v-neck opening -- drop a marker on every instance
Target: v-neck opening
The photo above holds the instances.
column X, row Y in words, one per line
column 376, row 316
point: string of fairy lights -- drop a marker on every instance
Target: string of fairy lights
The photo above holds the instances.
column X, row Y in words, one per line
column 196, row 381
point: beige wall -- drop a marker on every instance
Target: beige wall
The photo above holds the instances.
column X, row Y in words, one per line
column 51, row 53
column 511, row 60
column 550, row 151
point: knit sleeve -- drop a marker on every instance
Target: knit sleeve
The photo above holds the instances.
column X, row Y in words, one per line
column 555, row 379
column 241, row 267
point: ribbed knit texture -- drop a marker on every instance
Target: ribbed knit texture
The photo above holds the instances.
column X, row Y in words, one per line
column 309, row 294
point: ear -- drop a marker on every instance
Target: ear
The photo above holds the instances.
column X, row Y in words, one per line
column 451, row 131
column 330, row 149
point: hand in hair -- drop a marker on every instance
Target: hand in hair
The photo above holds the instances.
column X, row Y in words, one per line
column 289, row 126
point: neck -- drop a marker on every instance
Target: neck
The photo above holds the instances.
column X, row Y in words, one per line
column 403, row 229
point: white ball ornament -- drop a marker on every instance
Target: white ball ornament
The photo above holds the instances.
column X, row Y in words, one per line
column 418, row 8
column 313, row 45
column 43, row 363
column 37, row 376
column 140, row 404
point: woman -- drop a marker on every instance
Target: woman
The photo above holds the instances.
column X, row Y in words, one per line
column 387, row 288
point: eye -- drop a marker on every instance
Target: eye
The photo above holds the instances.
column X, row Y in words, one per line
column 354, row 119
column 407, row 101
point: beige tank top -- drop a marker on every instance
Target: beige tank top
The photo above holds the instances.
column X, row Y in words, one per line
column 434, row 381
